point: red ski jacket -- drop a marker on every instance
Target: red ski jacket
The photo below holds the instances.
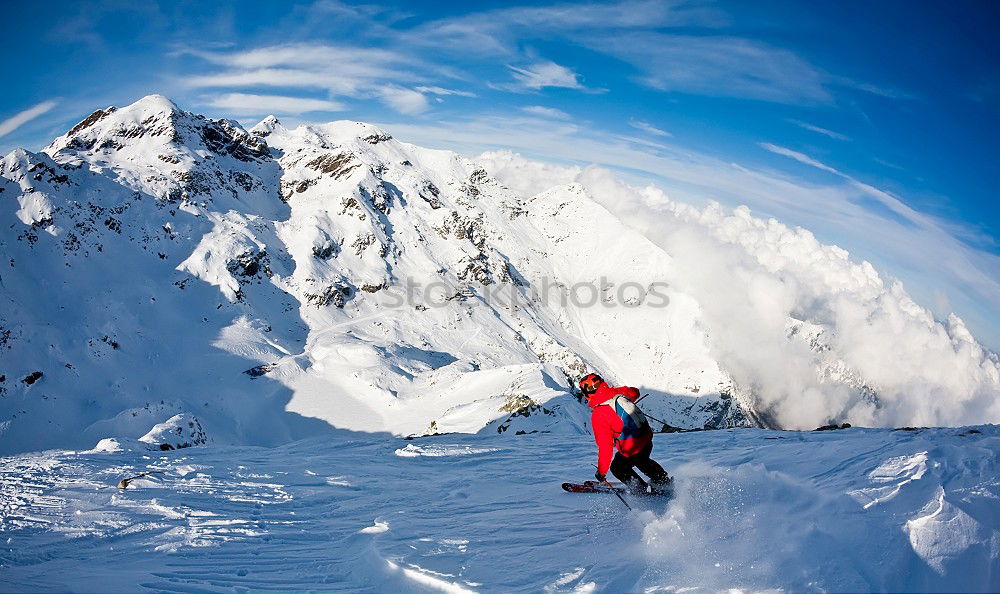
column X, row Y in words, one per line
column 608, row 426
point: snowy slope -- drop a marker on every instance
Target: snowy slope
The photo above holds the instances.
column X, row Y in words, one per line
column 852, row 510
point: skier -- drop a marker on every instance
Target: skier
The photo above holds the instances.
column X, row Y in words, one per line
column 618, row 422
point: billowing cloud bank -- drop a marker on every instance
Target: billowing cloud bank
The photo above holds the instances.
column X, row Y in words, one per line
column 755, row 278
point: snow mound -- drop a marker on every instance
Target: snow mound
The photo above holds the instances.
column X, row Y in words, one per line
column 179, row 431
column 376, row 528
column 107, row 445
column 438, row 451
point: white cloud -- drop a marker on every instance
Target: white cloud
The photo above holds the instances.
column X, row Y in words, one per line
column 443, row 91
column 546, row 74
column 19, row 119
column 244, row 103
column 801, row 158
column 360, row 73
column 818, row 130
column 276, row 77
column 342, row 71
column 546, row 112
column 405, row 101
column 300, row 55
column 643, row 142
column 878, row 90
column 648, row 128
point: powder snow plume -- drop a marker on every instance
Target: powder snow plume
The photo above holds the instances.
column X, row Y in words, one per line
column 786, row 313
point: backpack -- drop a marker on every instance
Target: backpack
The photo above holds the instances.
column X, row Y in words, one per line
column 634, row 422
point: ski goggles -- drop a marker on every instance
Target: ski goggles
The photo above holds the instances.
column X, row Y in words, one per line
column 590, row 383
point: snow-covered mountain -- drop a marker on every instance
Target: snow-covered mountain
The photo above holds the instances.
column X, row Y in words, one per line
column 272, row 283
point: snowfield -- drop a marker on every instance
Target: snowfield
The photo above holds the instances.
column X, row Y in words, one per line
column 848, row 510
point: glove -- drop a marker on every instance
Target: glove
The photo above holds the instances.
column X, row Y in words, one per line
column 601, row 478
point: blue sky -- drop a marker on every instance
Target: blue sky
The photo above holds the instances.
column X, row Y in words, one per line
column 875, row 125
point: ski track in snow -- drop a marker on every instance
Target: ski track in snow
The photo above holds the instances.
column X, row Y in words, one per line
column 851, row 510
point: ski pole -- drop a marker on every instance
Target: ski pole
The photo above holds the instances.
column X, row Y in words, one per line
column 622, row 499
column 638, row 400
column 661, row 421
column 615, row 491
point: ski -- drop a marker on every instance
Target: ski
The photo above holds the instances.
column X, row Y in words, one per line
column 593, row 487
column 596, row 487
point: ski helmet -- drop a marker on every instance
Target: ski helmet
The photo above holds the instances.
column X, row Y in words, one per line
column 590, row 383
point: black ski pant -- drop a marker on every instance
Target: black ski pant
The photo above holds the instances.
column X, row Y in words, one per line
column 623, row 467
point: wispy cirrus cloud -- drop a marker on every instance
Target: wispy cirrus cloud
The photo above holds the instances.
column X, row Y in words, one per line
column 694, row 58
column 727, row 66
column 800, row 157
column 891, row 203
column 544, row 74
column 273, row 77
column 717, row 66
column 342, row 71
column 818, row 130
column 245, row 103
column 546, row 112
column 353, row 60
column 499, row 31
column 442, row 91
column 19, row 119
column 699, row 62
column 648, row 128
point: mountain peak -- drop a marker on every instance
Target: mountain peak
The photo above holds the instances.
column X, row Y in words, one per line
column 267, row 126
column 155, row 123
column 113, row 128
column 153, row 104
